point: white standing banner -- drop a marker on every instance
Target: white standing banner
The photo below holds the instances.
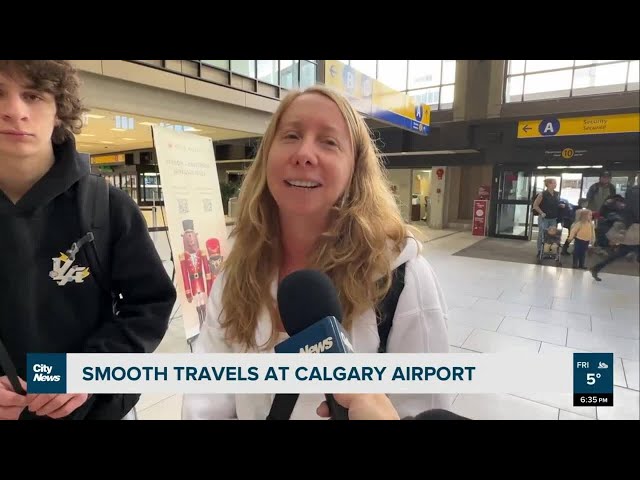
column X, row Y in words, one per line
column 195, row 218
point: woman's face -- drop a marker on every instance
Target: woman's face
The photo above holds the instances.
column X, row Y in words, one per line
column 310, row 163
column 551, row 185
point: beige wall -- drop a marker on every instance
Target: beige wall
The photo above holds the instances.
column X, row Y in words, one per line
column 472, row 177
column 401, row 178
column 439, row 201
column 130, row 88
column 452, row 198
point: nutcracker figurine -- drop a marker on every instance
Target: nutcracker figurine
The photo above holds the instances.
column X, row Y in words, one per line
column 195, row 270
column 215, row 257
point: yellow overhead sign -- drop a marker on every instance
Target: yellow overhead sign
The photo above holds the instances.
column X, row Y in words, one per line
column 107, row 159
column 374, row 99
column 563, row 127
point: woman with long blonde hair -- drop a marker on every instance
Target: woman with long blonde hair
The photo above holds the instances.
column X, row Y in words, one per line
column 316, row 196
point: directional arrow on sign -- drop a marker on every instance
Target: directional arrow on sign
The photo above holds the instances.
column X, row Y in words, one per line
column 526, row 128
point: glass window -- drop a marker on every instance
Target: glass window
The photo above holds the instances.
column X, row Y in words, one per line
column 516, row 67
column 286, row 74
column 448, row 71
column 515, row 185
column 540, row 65
column 515, row 86
column 512, row 219
column 591, row 62
column 634, row 72
column 244, row 67
column 446, row 96
column 570, row 186
column 224, row 64
column 426, row 95
column 424, row 73
column 427, row 81
column 307, row 74
column 600, row 79
column 268, row 71
column 393, row 73
column 561, row 78
column 547, row 85
column 368, row 67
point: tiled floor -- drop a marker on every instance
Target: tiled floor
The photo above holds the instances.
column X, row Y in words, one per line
column 502, row 306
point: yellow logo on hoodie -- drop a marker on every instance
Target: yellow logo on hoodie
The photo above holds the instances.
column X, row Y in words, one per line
column 64, row 271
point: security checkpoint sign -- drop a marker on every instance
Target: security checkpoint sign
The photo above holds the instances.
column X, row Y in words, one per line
column 565, row 127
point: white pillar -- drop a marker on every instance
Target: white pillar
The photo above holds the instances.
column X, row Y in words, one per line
column 437, row 197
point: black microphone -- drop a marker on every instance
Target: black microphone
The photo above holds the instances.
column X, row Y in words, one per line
column 437, row 414
column 311, row 314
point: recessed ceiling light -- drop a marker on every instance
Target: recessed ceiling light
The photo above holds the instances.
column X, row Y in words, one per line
column 92, row 115
column 105, row 141
column 87, row 135
column 127, row 138
column 149, row 124
column 117, row 129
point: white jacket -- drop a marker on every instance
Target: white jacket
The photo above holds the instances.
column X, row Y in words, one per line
column 419, row 326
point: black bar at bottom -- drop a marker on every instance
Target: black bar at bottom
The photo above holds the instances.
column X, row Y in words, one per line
column 593, row 399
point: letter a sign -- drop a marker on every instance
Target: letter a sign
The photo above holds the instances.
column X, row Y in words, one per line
column 549, row 127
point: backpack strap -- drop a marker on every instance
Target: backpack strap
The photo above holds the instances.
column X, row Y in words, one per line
column 387, row 308
column 10, row 370
column 282, row 406
column 93, row 205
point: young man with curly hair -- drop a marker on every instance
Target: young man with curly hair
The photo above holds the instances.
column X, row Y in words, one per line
column 51, row 297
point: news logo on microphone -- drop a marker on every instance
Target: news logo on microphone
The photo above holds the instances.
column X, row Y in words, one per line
column 325, row 336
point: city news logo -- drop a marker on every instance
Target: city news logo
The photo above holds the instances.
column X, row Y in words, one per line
column 64, row 271
column 319, row 347
column 593, row 379
column 46, row 373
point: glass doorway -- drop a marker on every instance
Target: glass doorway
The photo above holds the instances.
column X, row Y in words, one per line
column 517, row 186
column 513, row 204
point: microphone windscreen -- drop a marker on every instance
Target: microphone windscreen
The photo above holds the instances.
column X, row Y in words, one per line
column 305, row 297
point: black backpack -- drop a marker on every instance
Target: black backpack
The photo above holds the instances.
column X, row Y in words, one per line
column 93, row 205
column 387, row 307
column 92, row 199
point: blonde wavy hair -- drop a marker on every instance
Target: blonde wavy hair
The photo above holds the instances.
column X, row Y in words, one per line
column 356, row 252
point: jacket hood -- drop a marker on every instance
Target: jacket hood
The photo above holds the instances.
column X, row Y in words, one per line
column 69, row 166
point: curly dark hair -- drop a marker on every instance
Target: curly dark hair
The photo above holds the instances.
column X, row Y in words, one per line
column 59, row 78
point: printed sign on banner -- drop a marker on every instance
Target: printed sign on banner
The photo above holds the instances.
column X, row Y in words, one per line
column 480, row 208
column 195, row 218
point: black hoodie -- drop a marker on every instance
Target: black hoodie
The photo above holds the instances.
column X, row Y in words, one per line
column 39, row 315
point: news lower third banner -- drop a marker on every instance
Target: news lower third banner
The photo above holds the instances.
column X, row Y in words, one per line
column 587, row 376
